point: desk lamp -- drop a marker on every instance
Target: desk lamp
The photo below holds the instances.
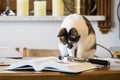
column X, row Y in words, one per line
column 118, row 15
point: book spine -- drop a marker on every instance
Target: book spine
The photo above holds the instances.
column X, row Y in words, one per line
column 94, row 7
column 68, row 6
column 83, row 7
column 89, row 5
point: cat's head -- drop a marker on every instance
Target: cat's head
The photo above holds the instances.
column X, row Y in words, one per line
column 70, row 37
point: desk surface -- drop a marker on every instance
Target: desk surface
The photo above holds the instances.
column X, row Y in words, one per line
column 105, row 73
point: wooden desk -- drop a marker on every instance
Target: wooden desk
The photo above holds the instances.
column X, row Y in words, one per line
column 105, row 73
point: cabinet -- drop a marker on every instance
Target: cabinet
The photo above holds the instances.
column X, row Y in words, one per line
column 104, row 8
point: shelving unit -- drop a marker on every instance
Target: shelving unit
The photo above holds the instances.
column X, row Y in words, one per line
column 104, row 10
column 46, row 18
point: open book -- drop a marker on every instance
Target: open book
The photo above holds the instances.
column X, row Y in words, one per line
column 52, row 64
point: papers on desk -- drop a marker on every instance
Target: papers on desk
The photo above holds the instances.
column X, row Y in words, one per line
column 114, row 62
column 8, row 61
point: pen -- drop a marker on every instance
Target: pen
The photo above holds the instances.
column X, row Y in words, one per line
column 94, row 61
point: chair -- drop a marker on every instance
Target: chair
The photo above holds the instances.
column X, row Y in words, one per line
column 28, row 52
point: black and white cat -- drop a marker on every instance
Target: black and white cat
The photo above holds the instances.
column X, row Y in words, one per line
column 77, row 37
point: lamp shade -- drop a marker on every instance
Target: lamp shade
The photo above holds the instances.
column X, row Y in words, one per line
column 118, row 11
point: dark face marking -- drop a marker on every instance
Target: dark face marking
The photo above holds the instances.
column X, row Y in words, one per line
column 70, row 37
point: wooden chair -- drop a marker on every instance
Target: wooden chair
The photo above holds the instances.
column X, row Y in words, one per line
column 27, row 52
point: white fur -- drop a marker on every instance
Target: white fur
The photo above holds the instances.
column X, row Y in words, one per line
column 85, row 41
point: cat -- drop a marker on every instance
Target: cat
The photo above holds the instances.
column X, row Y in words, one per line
column 76, row 37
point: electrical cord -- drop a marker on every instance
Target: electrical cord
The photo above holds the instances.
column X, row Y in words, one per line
column 106, row 49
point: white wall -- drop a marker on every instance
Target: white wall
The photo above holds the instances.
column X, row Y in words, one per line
column 44, row 35
column 29, row 34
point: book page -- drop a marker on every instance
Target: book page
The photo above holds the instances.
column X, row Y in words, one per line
column 42, row 60
column 79, row 67
column 36, row 64
column 70, row 67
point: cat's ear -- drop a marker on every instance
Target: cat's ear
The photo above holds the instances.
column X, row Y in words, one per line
column 74, row 35
column 62, row 32
column 63, row 35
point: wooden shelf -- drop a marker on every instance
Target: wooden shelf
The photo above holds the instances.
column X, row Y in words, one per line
column 46, row 18
column 104, row 7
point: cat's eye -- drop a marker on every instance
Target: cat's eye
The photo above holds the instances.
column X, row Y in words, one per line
column 63, row 40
